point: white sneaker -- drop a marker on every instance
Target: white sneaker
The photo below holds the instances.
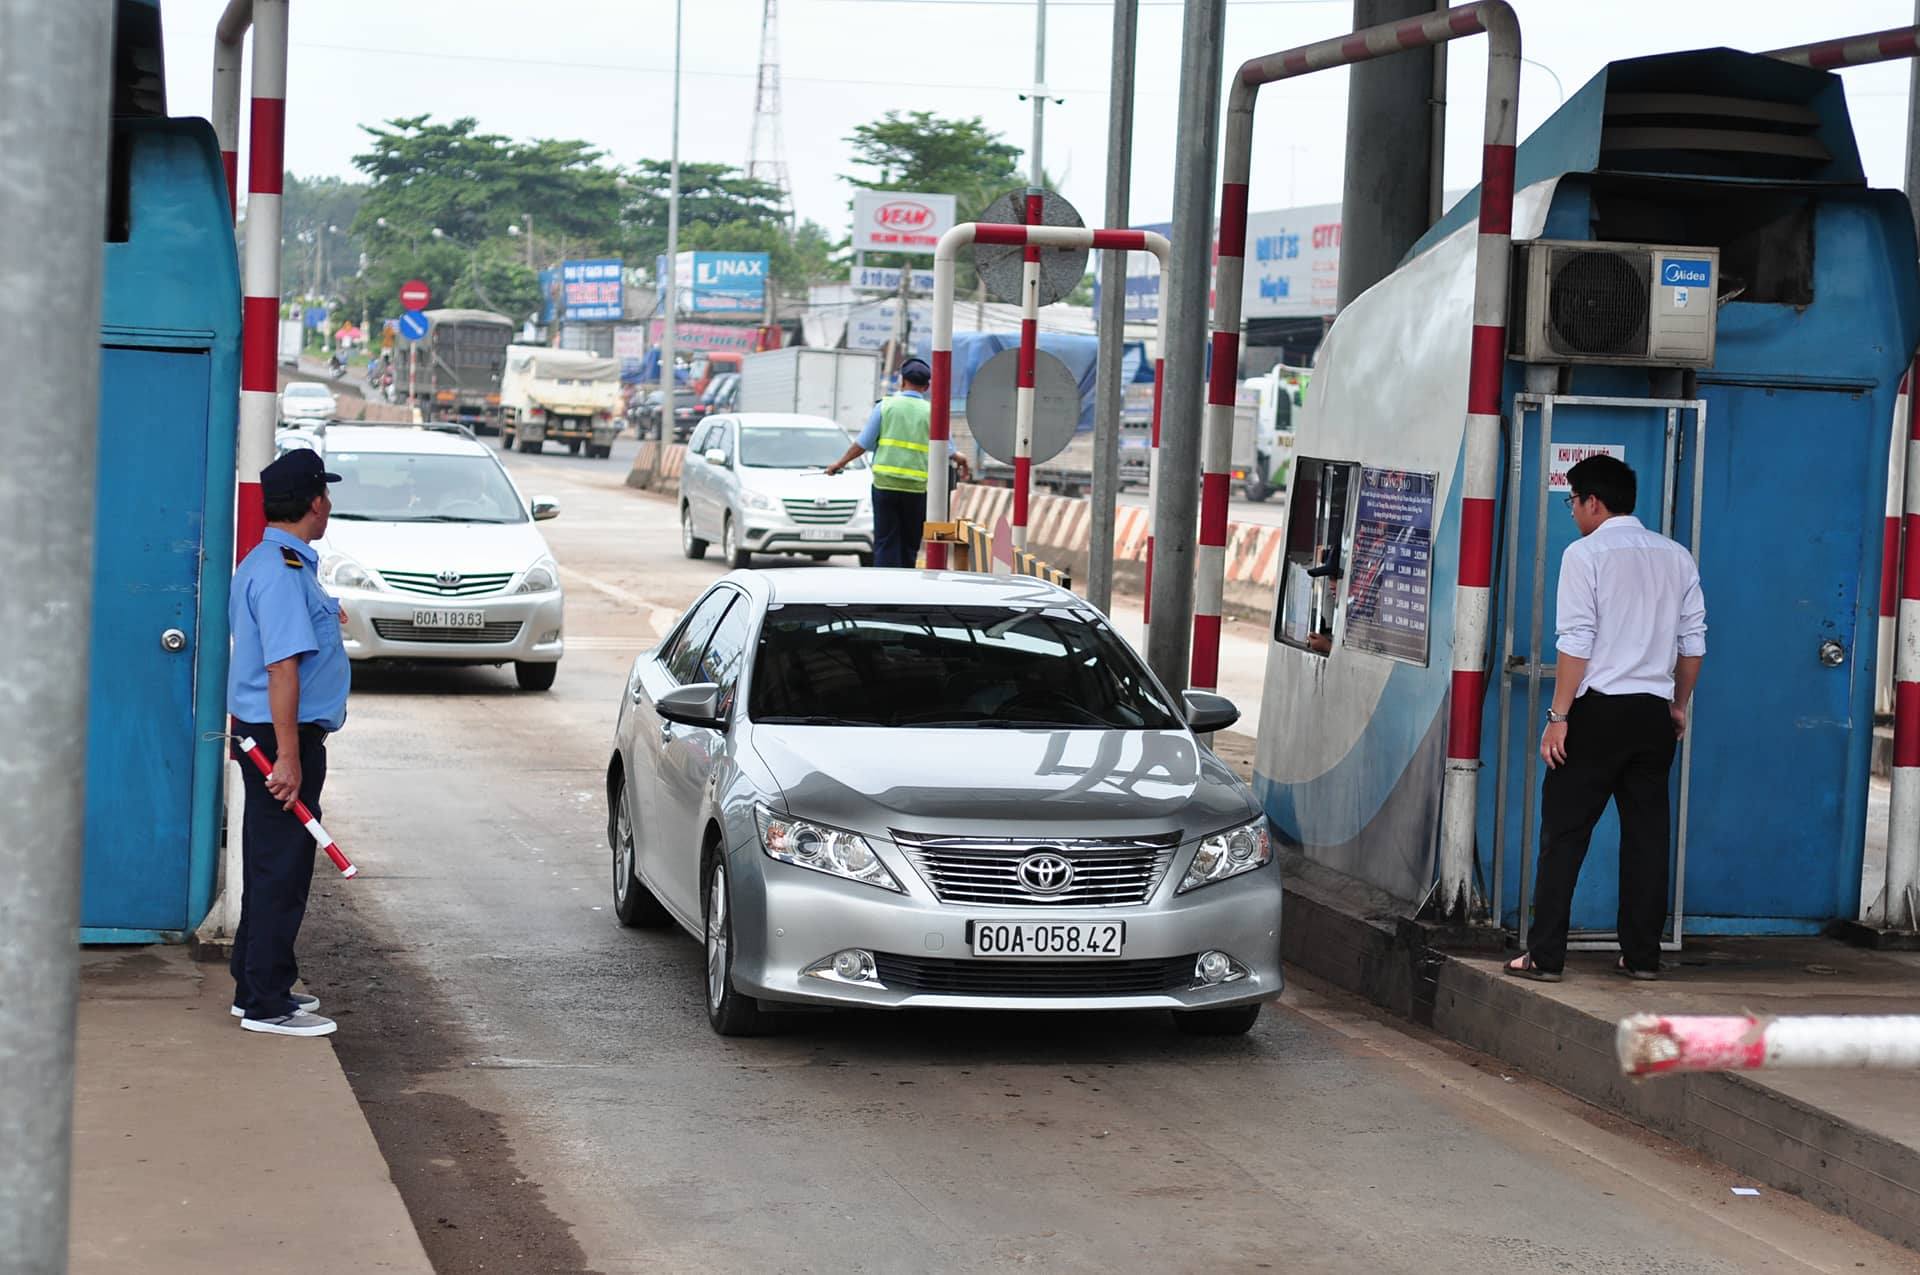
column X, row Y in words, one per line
column 301, row 1001
column 298, row 1023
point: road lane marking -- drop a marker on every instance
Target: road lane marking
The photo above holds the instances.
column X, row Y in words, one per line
column 657, row 623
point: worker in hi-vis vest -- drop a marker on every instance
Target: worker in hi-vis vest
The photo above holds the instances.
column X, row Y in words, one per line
column 896, row 434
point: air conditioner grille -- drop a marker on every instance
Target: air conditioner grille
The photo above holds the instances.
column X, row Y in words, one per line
column 1597, row 302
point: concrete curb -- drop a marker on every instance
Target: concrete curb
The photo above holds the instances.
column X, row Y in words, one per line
column 1340, row 931
column 672, row 460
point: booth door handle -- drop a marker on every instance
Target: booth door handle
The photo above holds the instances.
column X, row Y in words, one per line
column 1832, row 654
column 173, row 640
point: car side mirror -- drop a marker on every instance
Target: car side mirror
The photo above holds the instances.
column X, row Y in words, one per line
column 545, row 507
column 1207, row 712
column 716, row 455
column 697, row 704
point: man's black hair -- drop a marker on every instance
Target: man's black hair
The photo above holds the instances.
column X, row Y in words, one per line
column 1608, row 479
column 289, row 508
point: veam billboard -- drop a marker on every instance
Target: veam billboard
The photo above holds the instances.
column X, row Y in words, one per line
column 900, row 221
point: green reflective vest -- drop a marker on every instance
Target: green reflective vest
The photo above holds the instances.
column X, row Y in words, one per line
column 900, row 456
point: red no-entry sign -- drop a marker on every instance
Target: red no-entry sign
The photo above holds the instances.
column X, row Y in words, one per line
column 414, row 294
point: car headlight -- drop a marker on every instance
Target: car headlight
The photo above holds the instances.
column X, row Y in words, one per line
column 1228, row 854
column 757, row 500
column 342, row 572
column 830, row 850
column 540, row 578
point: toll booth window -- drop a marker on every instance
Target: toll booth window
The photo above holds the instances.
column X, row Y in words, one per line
column 1319, row 543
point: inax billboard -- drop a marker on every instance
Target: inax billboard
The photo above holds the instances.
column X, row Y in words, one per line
column 899, row 221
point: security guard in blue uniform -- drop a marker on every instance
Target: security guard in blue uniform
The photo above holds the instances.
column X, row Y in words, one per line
column 286, row 687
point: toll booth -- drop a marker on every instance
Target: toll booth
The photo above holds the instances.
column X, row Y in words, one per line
column 1713, row 294
column 163, row 530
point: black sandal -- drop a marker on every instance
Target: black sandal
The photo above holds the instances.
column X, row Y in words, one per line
column 1640, row 976
column 1527, row 969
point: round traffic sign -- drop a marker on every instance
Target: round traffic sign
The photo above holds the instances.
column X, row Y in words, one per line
column 1001, row 265
column 990, row 406
column 414, row 294
column 413, row 325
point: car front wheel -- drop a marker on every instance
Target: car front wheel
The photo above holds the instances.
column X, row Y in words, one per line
column 730, row 546
column 690, row 544
column 535, row 677
column 1233, row 1020
column 730, row 1012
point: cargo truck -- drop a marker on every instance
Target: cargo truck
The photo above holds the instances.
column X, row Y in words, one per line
column 569, row 396
column 841, row 385
column 1263, row 427
column 461, row 360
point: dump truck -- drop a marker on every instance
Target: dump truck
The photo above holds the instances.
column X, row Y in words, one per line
column 459, row 369
column 568, row 396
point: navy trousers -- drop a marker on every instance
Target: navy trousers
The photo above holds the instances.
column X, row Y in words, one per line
column 899, row 519
column 277, row 854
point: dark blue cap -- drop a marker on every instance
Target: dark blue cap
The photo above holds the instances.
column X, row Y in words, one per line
column 298, row 473
column 916, row 369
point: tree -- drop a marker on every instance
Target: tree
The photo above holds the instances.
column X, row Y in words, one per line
column 923, row 151
column 316, row 243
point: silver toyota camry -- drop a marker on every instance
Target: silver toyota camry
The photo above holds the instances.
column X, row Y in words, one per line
column 891, row 789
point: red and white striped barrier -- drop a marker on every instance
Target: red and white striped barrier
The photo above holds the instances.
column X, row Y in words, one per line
column 939, row 426
column 1659, row 1045
column 1481, row 472
column 1023, row 394
column 318, row 833
column 260, row 269
column 1854, row 50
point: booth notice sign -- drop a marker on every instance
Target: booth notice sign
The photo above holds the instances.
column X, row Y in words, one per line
column 1566, row 455
column 1390, row 579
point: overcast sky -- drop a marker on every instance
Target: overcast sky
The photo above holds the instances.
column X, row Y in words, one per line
column 602, row 70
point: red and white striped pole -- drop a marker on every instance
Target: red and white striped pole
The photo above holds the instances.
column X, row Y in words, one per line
column 1854, row 50
column 1023, row 394
column 260, row 269
column 1659, row 1045
column 229, row 39
column 1479, row 477
column 946, row 254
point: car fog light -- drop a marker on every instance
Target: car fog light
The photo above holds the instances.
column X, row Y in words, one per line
column 854, row 965
column 1215, row 968
column 551, row 635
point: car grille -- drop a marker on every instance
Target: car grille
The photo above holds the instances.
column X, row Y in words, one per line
column 426, row 583
column 986, row 872
column 405, row 631
column 1033, row 978
column 817, row 512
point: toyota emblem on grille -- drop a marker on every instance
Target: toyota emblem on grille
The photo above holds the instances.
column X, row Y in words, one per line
column 448, row 579
column 1046, row 872
column 820, row 502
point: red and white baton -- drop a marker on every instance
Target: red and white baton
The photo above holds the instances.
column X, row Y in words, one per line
column 334, row 852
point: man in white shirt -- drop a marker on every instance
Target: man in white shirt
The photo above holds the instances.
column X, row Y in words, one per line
column 1632, row 628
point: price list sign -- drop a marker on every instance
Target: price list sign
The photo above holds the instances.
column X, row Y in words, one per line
column 1390, row 577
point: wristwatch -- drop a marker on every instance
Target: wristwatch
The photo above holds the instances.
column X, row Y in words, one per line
column 1554, row 718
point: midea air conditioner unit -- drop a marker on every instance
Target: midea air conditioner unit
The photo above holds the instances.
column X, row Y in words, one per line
column 1620, row 303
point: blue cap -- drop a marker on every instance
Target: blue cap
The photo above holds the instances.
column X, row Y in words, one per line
column 916, row 369
column 297, row 473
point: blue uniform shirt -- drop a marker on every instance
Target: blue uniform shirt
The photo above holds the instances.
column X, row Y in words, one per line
column 870, row 436
column 278, row 610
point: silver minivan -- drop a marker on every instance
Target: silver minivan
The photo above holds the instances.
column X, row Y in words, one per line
column 756, row 482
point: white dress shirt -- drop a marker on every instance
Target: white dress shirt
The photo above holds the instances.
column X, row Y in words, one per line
column 1629, row 603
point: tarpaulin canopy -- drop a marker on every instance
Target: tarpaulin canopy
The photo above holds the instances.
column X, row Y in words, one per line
column 1081, row 354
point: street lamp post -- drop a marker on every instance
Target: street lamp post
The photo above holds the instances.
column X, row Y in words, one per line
column 670, row 275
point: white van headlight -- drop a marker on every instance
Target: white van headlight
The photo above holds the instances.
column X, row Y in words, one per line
column 341, row 572
column 540, row 578
column 1229, row 854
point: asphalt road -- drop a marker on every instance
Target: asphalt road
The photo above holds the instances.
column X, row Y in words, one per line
column 550, row 1099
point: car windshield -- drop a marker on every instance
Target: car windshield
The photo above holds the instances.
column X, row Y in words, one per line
column 307, row 389
column 1051, row 668
column 416, row 487
column 808, row 447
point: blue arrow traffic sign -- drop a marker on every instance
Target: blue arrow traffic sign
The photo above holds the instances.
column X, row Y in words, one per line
column 413, row 325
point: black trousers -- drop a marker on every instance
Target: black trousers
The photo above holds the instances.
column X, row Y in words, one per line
column 899, row 518
column 277, row 854
column 1619, row 747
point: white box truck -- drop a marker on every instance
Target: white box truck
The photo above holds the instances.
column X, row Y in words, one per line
column 841, row 385
column 569, row 396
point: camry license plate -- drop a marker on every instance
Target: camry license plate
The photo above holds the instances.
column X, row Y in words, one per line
column 449, row 619
column 820, row 533
column 1047, row 938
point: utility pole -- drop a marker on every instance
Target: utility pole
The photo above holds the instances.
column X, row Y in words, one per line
column 1039, row 93
column 56, row 70
column 1170, row 633
column 670, row 283
column 1109, row 395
